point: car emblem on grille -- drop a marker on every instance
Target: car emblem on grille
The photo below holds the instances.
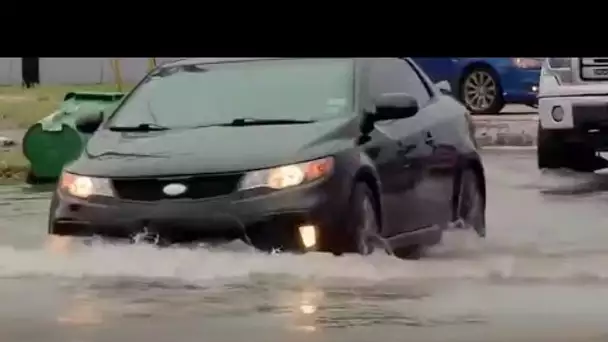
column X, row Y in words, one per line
column 174, row 189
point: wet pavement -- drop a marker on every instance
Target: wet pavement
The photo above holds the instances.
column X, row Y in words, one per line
column 541, row 275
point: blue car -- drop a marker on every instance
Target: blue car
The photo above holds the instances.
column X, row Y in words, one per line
column 486, row 85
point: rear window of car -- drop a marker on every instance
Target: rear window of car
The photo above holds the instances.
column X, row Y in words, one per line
column 199, row 94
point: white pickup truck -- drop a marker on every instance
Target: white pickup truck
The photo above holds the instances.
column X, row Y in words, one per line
column 573, row 113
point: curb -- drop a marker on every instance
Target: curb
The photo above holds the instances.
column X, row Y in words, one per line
column 506, row 139
column 514, row 130
column 507, row 148
column 511, row 118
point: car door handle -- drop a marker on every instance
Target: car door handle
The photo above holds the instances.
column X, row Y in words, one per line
column 429, row 139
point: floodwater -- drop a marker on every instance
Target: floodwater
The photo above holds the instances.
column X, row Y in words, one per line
column 541, row 275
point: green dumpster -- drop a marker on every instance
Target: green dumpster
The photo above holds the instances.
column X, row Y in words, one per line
column 54, row 141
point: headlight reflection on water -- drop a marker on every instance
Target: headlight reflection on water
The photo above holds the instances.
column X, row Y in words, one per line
column 83, row 311
column 59, row 245
column 305, row 304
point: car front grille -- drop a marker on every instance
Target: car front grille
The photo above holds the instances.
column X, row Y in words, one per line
column 197, row 187
column 594, row 68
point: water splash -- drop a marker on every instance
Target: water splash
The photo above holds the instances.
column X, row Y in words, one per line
column 461, row 256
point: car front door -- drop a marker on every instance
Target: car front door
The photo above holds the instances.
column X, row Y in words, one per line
column 440, row 118
column 403, row 172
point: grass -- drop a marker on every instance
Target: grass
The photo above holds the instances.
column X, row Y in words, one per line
column 20, row 108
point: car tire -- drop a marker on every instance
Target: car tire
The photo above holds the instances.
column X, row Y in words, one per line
column 553, row 152
column 412, row 252
column 469, row 202
column 362, row 222
column 483, row 82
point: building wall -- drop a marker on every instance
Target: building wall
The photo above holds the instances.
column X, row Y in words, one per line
column 77, row 70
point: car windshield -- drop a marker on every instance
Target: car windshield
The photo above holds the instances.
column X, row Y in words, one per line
column 202, row 94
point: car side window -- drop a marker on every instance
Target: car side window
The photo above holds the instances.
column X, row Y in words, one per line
column 393, row 75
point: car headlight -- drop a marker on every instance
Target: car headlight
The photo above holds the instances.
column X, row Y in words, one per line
column 560, row 68
column 527, row 63
column 287, row 175
column 83, row 186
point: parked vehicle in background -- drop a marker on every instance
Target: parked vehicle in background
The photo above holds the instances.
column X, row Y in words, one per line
column 329, row 155
column 573, row 113
column 486, row 85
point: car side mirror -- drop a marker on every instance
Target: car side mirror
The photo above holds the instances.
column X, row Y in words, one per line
column 395, row 106
column 444, row 87
column 89, row 123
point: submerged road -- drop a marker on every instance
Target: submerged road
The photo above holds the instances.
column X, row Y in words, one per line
column 541, row 275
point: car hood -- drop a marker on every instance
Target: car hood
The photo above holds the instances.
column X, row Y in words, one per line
column 211, row 149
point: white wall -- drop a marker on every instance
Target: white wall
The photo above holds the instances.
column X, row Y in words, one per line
column 10, row 70
column 90, row 70
column 74, row 71
column 78, row 70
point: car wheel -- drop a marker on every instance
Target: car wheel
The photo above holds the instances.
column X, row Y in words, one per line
column 362, row 221
column 553, row 152
column 470, row 203
column 412, row 252
column 480, row 91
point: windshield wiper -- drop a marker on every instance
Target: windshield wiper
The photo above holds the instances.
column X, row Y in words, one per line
column 240, row 122
column 142, row 127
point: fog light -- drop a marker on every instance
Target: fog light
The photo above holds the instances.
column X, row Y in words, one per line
column 535, row 89
column 557, row 113
column 308, row 235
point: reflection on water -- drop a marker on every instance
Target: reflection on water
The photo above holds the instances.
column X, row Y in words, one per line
column 82, row 310
column 59, row 245
column 304, row 306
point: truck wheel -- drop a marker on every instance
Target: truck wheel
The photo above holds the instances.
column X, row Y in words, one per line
column 553, row 152
column 480, row 91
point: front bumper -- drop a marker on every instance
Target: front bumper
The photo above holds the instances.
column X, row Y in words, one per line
column 585, row 119
column 268, row 220
column 585, row 112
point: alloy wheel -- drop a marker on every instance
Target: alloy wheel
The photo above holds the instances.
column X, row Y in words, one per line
column 480, row 91
column 470, row 203
column 368, row 228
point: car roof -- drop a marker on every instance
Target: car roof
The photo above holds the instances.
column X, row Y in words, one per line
column 215, row 60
